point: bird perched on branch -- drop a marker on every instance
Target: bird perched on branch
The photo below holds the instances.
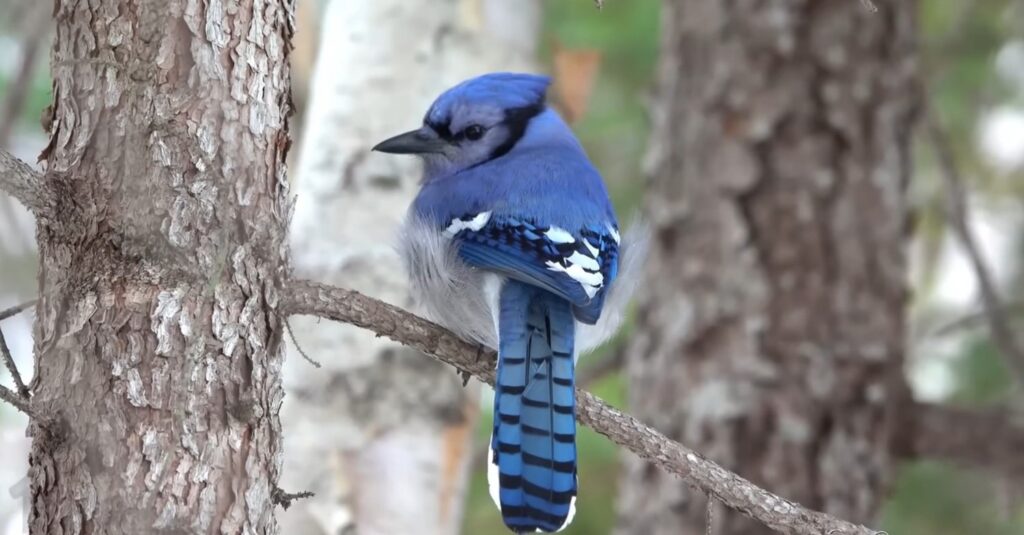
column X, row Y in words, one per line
column 512, row 242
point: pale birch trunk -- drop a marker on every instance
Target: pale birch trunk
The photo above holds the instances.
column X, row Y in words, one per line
column 157, row 339
column 380, row 434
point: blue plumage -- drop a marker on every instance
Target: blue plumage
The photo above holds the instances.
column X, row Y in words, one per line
column 510, row 192
column 534, row 443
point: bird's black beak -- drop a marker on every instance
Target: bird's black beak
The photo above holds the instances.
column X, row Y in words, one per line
column 422, row 141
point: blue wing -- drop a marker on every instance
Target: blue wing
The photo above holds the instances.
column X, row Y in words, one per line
column 577, row 266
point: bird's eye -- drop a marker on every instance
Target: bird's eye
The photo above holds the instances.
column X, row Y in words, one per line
column 474, row 132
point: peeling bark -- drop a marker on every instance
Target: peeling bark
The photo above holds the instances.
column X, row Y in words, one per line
column 380, row 433
column 157, row 338
column 771, row 334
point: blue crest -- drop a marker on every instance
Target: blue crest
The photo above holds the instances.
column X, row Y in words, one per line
column 507, row 90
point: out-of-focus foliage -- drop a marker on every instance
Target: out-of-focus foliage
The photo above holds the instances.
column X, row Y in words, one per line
column 616, row 127
column 37, row 99
column 936, row 499
column 959, row 45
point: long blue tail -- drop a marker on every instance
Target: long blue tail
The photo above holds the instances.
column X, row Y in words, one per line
column 533, row 448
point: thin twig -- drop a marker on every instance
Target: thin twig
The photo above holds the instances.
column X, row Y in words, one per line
column 5, row 352
column 780, row 514
column 285, row 499
column 973, row 319
column 958, row 215
column 295, row 341
column 17, row 309
column 709, row 516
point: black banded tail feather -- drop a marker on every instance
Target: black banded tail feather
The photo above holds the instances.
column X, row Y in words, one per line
column 533, row 449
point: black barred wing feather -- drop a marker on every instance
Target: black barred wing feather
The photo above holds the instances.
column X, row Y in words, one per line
column 577, row 266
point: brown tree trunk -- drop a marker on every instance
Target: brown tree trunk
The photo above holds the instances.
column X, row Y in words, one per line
column 158, row 342
column 771, row 334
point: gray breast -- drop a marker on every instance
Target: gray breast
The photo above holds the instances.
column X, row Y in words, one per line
column 449, row 292
column 465, row 300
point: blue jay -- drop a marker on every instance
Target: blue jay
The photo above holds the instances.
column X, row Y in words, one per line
column 512, row 243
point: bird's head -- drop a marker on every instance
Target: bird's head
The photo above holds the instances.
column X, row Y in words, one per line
column 476, row 121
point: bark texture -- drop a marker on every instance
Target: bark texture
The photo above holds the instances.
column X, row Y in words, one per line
column 158, row 340
column 380, row 434
column 771, row 334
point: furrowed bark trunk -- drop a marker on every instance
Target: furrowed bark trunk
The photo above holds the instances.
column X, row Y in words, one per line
column 157, row 338
column 381, row 435
column 771, row 334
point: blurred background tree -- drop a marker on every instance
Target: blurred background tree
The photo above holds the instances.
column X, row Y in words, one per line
column 972, row 57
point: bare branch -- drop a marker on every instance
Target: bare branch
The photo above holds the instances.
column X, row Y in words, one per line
column 24, row 184
column 974, row 319
column 17, row 309
column 285, row 499
column 985, row 439
column 303, row 297
column 295, row 342
column 5, row 352
column 958, row 215
column 15, row 400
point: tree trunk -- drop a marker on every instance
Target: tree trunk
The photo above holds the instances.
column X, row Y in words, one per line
column 157, row 337
column 771, row 334
column 381, row 435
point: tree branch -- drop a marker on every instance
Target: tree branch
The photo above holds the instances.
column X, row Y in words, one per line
column 16, row 309
column 986, row 439
column 8, row 395
column 958, row 215
column 982, row 439
column 20, row 399
column 5, row 352
column 309, row 298
column 286, row 499
column 23, row 183
column 974, row 319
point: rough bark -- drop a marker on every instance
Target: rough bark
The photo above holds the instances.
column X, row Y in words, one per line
column 157, row 340
column 380, row 434
column 771, row 334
